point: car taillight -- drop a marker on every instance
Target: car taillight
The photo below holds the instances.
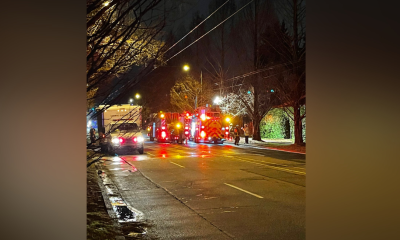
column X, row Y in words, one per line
column 203, row 134
column 134, row 139
column 121, row 140
column 163, row 134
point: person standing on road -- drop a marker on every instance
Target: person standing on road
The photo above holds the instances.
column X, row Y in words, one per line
column 246, row 134
column 92, row 136
column 231, row 132
column 236, row 134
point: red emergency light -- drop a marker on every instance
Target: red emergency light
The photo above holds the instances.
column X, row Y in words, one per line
column 134, row 139
column 162, row 127
column 202, row 127
column 186, row 132
column 163, row 134
column 121, row 140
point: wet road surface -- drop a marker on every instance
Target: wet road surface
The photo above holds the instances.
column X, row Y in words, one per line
column 213, row 191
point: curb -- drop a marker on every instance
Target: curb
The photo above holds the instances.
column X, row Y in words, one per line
column 108, row 204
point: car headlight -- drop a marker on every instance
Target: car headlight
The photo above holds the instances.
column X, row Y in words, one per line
column 140, row 139
column 115, row 140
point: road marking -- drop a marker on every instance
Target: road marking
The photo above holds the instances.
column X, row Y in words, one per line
column 300, row 168
column 261, row 161
column 238, row 188
column 151, row 154
column 277, row 168
column 177, row 165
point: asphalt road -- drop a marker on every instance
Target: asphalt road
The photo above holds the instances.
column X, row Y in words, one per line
column 214, row 191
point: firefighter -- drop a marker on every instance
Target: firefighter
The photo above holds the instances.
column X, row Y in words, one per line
column 231, row 131
column 237, row 137
column 246, row 133
column 92, row 136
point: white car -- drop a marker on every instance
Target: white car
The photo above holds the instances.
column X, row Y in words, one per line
column 124, row 136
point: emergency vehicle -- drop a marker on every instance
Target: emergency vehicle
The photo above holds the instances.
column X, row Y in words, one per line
column 170, row 127
column 120, row 128
column 207, row 125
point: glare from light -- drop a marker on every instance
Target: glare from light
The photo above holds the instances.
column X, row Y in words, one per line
column 227, row 119
column 106, row 3
column 131, row 100
column 186, row 68
column 178, row 125
column 140, row 139
column 115, row 140
column 202, row 134
column 217, row 100
column 162, row 115
column 137, row 96
column 193, row 128
column 203, row 117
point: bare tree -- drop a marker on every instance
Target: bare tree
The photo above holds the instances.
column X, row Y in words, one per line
column 185, row 94
column 247, row 41
column 290, row 80
column 120, row 34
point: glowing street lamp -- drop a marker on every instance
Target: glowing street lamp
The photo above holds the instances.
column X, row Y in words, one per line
column 137, row 96
column 130, row 100
column 186, row 68
column 217, row 100
column 227, row 119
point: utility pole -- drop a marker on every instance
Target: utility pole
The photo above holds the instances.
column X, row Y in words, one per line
column 201, row 84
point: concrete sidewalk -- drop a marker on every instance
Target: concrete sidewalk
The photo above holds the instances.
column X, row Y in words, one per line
column 265, row 142
column 284, row 145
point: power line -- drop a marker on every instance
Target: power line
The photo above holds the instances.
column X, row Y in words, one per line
column 255, row 72
column 197, row 26
column 208, row 31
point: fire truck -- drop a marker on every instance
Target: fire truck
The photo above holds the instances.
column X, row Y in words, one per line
column 167, row 128
column 170, row 127
column 207, row 125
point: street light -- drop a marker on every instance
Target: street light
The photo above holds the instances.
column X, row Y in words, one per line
column 130, row 100
column 137, row 96
column 186, row 67
column 228, row 119
column 217, row 100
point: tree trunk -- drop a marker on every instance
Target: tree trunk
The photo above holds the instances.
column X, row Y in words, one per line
column 256, row 129
column 298, row 128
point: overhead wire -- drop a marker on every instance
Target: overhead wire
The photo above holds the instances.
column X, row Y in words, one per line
column 209, row 31
column 197, row 26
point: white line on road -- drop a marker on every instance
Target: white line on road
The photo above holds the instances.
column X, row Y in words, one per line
column 238, row 188
column 177, row 165
column 277, row 168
